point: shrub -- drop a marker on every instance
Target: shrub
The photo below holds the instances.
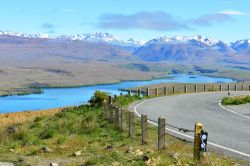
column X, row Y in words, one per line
column 236, row 100
column 98, row 98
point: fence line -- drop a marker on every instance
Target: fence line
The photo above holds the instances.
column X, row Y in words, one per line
column 117, row 116
column 190, row 88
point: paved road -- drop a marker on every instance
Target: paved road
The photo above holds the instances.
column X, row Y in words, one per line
column 229, row 130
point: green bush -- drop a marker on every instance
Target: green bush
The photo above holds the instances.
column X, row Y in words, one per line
column 98, row 98
column 236, row 100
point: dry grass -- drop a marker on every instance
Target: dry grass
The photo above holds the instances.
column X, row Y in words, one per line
column 8, row 119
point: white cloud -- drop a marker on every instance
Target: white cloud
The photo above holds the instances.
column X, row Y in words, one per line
column 232, row 12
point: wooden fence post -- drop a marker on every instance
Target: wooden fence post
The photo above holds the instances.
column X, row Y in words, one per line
column 220, row 87
column 156, row 92
column 249, row 88
column 111, row 113
column 106, row 109
column 123, row 119
column 161, row 133
column 147, row 92
column 165, row 90
column 197, row 140
column 129, row 92
column 110, row 100
column 117, row 111
column 131, row 124
column 228, row 87
column 139, row 92
column 242, row 87
column 144, row 122
column 173, row 90
column 185, row 88
column 195, row 89
column 204, row 88
column 235, row 87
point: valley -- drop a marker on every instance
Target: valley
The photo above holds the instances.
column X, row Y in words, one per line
column 100, row 58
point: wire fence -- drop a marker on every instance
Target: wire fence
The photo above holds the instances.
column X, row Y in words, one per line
column 155, row 129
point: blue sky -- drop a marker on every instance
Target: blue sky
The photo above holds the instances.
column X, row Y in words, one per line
column 226, row 20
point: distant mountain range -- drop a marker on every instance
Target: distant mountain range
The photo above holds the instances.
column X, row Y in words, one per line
column 91, row 37
column 103, row 46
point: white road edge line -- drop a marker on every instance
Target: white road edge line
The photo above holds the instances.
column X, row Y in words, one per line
column 225, row 108
column 191, row 137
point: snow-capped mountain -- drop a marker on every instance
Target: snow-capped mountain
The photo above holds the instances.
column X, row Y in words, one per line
column 183, row 48
column 108, row 38
column 20, row 34
column 90, row 37
column 240, row 44
column 198, row 39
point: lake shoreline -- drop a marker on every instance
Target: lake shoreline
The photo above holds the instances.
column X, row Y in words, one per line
column 79, row 86
column 111, row 83
column 54, row 97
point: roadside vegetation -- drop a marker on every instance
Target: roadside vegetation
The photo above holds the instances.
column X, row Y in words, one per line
column 237, row 100
column 81, row 136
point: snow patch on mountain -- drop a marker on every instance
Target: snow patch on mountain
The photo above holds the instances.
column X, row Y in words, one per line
column 198, row 38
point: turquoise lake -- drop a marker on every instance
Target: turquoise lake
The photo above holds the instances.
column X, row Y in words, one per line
column 61, row 97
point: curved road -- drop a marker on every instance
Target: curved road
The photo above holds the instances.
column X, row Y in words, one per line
column 228, row 130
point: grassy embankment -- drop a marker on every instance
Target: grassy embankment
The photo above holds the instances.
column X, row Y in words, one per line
column 101, row 143
column 237, row 100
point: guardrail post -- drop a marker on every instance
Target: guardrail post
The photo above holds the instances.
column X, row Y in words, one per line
column 147, row 92
column 131, row 123
column 156, row 92
column 185, row 88
column 144, row 122
column 173, row 90
column 161, row 133
column 228, row 87
column 235, row 87
column 197, row 141
column 129, row 92
column 165, row 90
column 195, row 88
column 139, row 92
column 106, row 109
column 110, row 100
column 111, row 113
column 117, row 111
column 123, row 119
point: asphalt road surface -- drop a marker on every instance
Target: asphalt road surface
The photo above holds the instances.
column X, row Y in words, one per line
column 228, row 128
